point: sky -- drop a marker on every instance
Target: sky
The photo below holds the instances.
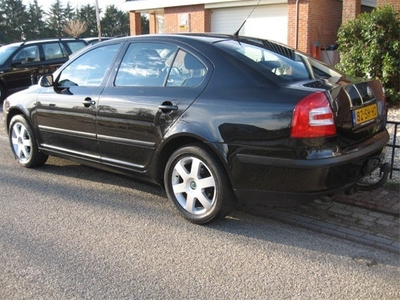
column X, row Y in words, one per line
column 45, row 4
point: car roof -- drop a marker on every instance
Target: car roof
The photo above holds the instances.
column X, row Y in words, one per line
column 44, row 41
column 212, row 37
column 209, row 38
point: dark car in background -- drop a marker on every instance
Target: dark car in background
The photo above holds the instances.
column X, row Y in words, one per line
column 95, row 40
column 21, row 64
column 211, row 118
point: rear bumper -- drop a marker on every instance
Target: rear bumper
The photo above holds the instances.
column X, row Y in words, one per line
column 291, row 181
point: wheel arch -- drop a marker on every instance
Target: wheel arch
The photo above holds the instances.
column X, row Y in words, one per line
column 176, row 142
column 12, row 112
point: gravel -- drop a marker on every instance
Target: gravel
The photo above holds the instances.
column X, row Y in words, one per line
column 394, row 116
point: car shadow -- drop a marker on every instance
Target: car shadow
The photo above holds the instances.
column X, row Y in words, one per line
column 120, row 192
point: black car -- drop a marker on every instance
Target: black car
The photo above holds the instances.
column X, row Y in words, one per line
column 21, row 64
column 211, row 118
column 95, row 40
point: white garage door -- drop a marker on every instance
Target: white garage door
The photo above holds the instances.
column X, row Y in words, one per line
column 267, row 21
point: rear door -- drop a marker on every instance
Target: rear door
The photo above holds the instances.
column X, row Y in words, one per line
column 153, row 87
column 66, row 113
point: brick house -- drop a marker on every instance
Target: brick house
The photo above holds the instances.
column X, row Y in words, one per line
column 307, row 25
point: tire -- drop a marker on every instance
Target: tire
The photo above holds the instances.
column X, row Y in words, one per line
column 2, row 93
column 197, row 184
column 23, row 143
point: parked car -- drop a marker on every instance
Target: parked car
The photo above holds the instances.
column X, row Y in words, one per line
column 213, row 119
column 22, row 63
column 95, row 40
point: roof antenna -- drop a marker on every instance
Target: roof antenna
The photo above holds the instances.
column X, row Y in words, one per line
column 236, row 34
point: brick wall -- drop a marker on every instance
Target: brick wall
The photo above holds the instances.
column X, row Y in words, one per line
column 318, row 23
column 394, row 3
column 301, row 26
column 351, row 9
column 325, row 18
column 199, row 19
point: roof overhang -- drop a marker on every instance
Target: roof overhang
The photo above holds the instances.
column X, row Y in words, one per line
column 153, row 5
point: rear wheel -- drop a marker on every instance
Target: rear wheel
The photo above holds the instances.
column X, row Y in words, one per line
column 197, row 184
column 23, row 143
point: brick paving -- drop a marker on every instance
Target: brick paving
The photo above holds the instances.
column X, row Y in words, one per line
column 382, row 200
column 369, row 218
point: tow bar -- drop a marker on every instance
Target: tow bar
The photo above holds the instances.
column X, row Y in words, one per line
column 385, row 169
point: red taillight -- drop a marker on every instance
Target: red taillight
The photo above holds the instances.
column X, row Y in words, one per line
column 313, row 117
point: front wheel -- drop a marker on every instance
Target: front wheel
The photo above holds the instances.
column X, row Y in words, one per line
column 197, row 184
column 23, row 143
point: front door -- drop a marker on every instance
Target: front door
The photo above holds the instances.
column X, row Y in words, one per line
column 66, row 113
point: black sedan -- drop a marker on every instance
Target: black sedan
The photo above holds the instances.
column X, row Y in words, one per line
column 213, row 119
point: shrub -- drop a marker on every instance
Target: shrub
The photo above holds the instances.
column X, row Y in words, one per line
column 369, row 46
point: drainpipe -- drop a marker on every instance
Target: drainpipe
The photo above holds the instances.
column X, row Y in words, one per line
column 297, row 25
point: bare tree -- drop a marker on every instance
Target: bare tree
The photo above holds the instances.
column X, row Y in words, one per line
column 75, row 28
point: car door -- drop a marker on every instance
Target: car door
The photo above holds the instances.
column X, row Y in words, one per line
column 24, row 66
column 152, row 88
column 66, row 112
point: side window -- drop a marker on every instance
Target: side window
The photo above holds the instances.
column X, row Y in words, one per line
column 186, row 71
column 145, row 64
column 27, row 55
column 53, row 51
column 90, row 68
column 75, row 45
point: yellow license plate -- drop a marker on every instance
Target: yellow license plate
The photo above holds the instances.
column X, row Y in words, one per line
column 365, row 114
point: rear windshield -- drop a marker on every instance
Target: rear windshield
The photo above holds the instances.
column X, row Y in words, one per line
column 283, row 63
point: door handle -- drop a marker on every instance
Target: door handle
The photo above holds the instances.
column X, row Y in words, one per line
column 167, row 107
column 88, row 102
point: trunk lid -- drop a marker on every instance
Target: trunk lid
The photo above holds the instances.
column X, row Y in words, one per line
column 360, row 111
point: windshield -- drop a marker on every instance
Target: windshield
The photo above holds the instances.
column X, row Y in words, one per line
column 5, row 53
column 283, row 63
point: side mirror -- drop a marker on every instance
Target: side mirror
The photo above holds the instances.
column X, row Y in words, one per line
column 46, row 81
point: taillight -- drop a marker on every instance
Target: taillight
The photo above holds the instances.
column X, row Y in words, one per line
column 313, row 118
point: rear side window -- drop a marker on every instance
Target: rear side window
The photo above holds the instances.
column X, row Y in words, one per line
column 75, row 45
column 154, row 64
column 187, row 71
column 54, row 51
column 145, row 64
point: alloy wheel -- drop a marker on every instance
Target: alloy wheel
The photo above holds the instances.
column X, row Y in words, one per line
column 21, row 142
column 193, row 185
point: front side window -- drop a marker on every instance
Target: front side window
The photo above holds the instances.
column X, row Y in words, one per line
column 90, row 68
column 27, row 55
